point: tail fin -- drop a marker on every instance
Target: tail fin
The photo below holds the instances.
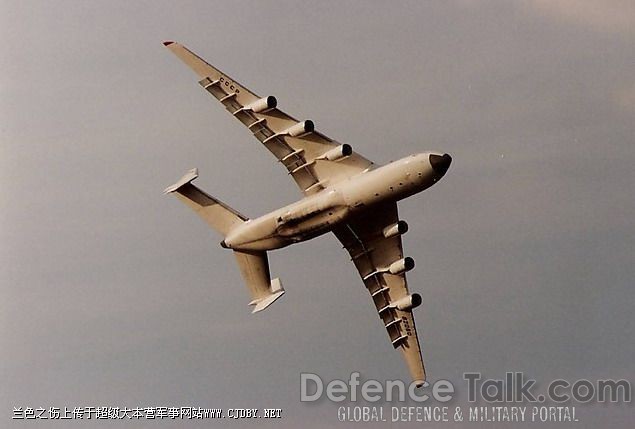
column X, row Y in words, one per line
column 218, row 215
column 254, row 267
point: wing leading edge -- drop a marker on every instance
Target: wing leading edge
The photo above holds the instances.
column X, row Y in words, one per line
column 371, row 252
column 295, row 144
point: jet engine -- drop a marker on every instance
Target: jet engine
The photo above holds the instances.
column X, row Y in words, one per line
column 337, row 152
column 398, row 228
column 262, row 104
column 408, row 302
column 300, row 128
column 402, row 265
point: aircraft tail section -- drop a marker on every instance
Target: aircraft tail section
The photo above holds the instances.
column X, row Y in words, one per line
column 215, row 213
column 254, row 268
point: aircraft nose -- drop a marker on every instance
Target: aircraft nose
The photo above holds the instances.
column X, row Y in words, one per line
column 440, row 163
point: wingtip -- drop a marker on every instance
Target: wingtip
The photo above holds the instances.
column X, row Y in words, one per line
column 167, row 43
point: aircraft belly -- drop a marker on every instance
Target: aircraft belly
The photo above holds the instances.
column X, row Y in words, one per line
column 264, row 244
column 256, row 234
column 313, row 225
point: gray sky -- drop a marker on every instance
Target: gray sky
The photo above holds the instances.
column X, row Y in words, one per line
column 114, row 294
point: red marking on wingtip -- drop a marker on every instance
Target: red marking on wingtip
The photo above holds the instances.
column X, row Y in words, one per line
column 167, row 43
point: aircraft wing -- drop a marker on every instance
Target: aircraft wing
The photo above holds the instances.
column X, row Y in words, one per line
column 371, row 253
column 295, row 144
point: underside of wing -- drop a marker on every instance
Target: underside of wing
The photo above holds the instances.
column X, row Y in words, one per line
column 374, row 243
column 312, row 159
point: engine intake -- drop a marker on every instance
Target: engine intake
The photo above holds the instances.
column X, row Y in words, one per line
column 408, row 302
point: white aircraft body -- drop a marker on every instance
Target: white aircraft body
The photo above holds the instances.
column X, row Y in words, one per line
column 344, row 193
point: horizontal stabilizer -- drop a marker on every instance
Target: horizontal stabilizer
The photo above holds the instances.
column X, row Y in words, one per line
column 187, row 178
column 276, row 292
column 254, row 268
column 217, row 214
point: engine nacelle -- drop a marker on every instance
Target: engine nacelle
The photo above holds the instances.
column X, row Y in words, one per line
column 408, row 302
column 263, row 104
column 300, row 128
column 398, row 228
column 402, row 265
column 337, row 152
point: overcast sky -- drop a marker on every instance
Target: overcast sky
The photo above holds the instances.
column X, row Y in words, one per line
column 113, row 294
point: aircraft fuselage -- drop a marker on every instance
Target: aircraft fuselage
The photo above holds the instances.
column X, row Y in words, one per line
column 317, row 214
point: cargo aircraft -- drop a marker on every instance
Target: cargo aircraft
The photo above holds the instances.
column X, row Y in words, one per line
column 344, row 193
